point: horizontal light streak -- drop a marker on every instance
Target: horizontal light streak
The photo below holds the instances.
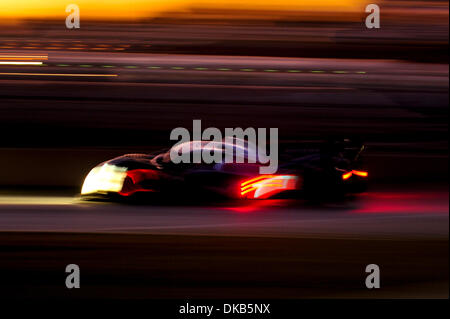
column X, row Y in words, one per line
column 23, row 57
column 60, row 74
column 19, row 63
column 35, row 200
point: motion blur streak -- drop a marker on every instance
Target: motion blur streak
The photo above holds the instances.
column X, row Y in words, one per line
column 36, row 200
column 139, row 9
column 360, row 173
column 20, row 63
column 23, row 57
column 268, row 185
column 347, row 175
column 256, row 179
column 354, row 172
column 59, row 74
column 422, row 203
column 385, row 214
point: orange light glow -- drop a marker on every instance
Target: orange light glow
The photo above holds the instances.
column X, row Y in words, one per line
column 141, row 9
column 347, row 176
column 354, row 172
column 361, row 173
column 23, row 57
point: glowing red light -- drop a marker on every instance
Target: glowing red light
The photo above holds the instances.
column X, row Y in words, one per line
column 256, row 179
column 139, row 175
column 265, row 186
column 134, row 178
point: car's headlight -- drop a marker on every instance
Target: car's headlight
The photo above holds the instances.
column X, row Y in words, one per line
column 104, row 179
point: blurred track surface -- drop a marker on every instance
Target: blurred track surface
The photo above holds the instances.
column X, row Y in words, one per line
column 379, row 214
column 270, row 249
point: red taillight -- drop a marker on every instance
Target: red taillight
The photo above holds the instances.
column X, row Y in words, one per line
column 265, row 186
column 354, row 172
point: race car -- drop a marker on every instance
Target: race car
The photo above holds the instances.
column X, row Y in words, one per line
column 328, row 169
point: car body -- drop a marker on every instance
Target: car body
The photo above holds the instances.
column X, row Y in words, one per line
column 334, row 168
